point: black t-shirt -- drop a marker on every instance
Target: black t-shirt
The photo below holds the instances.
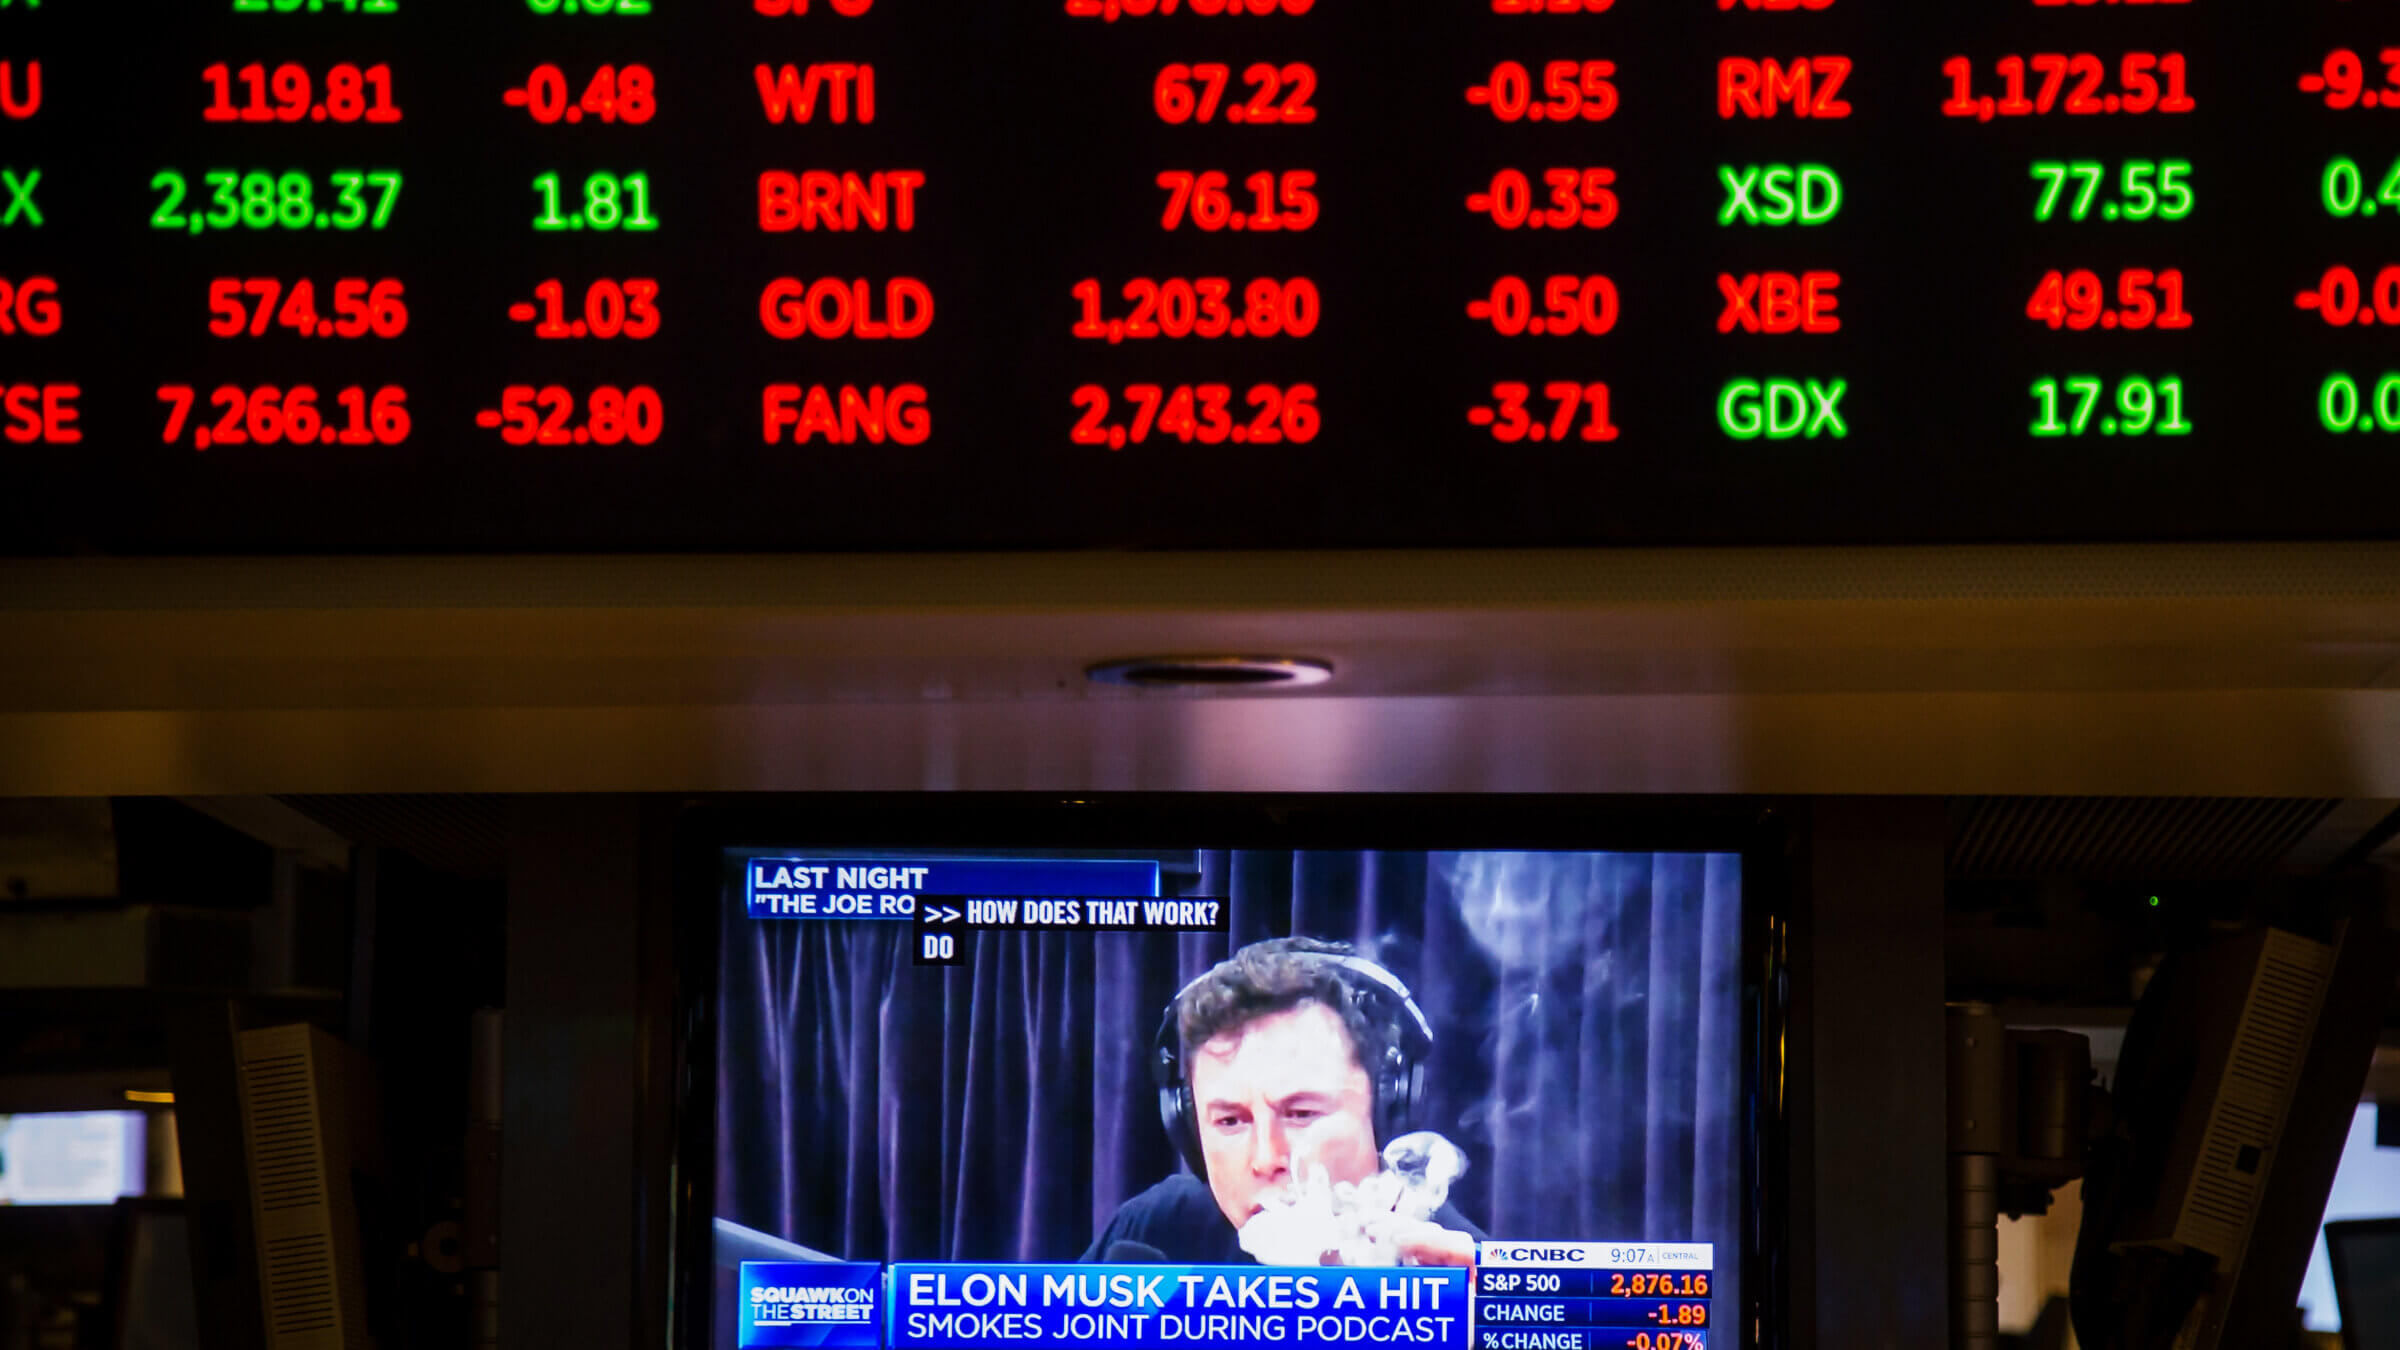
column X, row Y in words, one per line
column 1180, row 1218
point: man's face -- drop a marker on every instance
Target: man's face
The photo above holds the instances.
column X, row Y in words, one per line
column 1276, row 1097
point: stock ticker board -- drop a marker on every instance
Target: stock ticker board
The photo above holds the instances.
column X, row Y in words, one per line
column 336, row 276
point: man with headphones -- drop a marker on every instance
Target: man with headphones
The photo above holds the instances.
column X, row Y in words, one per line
column 1292, row 1054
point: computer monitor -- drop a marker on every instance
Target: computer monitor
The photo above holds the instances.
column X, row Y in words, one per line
column 1117, row 1094
column 2366, row 1280
column 72, row 1157
column 2233, row 1094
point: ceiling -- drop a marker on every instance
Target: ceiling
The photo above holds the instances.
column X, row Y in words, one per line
column 2137, row 672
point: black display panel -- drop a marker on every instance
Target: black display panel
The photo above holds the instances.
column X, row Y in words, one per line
column 801, row 275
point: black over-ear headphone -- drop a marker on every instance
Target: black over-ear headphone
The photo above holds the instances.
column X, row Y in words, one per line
column 1395, row 1069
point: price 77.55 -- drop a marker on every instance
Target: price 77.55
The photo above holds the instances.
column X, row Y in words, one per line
column 2146, row 189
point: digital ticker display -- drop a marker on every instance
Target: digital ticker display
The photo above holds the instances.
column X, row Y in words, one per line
column 338, row 276
column 1144, row 1099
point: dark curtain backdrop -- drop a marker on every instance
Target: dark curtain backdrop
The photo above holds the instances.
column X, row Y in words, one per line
column 1586, row 1009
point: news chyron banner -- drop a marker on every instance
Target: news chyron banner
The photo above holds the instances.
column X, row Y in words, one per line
column 1519, row 1296
column 949, row 899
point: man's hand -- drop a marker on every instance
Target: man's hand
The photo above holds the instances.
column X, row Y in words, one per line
column 1426, row 1243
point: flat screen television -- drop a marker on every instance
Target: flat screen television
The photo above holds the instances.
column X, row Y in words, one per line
column 1358, row 1076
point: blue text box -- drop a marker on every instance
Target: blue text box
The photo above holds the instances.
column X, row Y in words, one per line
column 831, row 1304
column 801, row 887
column 1111, row 1307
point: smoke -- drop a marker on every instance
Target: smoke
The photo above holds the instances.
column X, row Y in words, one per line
column 1316, row 1221
column 1515, row 905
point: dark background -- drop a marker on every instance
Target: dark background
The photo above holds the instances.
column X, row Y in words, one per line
column 1038, row 139
column 1588, row 1053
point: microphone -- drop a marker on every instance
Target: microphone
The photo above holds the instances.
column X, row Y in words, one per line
column 1125, row 1252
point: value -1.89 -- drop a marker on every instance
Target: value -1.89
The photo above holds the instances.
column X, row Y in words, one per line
column 2141, row 407
column 260, row 200
column 1199, row 414
column 268, row 415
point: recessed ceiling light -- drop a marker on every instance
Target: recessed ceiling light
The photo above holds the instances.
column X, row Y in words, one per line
column 1213, row 672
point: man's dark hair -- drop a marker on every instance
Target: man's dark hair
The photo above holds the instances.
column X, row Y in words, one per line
column 1269, row 977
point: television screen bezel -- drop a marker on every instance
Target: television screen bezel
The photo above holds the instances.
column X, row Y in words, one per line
column 1760, row 831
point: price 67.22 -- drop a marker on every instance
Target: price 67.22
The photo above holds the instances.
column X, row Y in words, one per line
column 1277, row 95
